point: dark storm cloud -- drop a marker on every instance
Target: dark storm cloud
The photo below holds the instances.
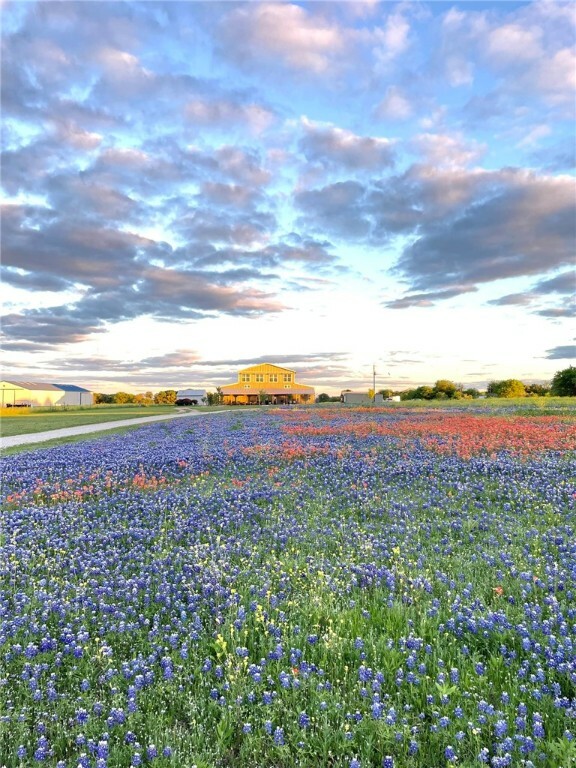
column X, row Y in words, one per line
column 566, row 352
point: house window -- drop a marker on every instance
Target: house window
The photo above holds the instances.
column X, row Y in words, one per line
column 259, row 377
column 244, row 377
column 287, row 386
column 273, row 377
column 287, row 377
column 246, row 386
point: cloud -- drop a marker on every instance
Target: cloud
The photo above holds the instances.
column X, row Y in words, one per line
column 529, row 49
column 449, row 151
column 428, row 299
column 271, row 33
column 395, row 105
column 341, row 149
column 179, row 359
column 523, row 225
column 224, row 112
column 556, row 313
column 566, row 352
column 393, row 39
column 514, row 299
column 563, row 283
column 467, row 227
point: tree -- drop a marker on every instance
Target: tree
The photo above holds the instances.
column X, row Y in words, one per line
column 564, row 383
column 537, row 390
column 506, row 388
column 444, row 389
column 386, row 393
column 121, row 398
column 145, row 399
column 101, row 398
column 323, row 398
column 470, row 393
column 262, row 396
column 165, row 397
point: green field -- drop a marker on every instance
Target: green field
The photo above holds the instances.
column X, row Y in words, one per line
column 45, row 419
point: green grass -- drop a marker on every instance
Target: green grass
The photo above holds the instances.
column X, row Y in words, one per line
column 64, row 440
column 46, row 419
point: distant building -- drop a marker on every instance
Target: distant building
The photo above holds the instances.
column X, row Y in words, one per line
column 360, row 398
column 191, row 397
column 39, row 393
column 267, row 383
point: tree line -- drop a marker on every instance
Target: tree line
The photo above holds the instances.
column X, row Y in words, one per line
column 563, row 384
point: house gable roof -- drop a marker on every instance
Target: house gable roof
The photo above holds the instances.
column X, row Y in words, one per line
column 256, row 368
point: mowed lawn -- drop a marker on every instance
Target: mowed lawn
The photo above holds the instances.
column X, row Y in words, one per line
column 44, row 420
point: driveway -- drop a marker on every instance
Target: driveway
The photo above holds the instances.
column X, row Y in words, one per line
column 53, row 434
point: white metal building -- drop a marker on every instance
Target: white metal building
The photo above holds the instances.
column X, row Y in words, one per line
column 40, row 393
column 195, row 396
column 360, row 398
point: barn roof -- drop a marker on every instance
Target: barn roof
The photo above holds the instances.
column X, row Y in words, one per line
column 44, row 386
column 34, row 385
column 71, row 388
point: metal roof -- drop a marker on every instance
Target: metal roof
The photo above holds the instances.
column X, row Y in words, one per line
column 71, row 388
column 44, row 386
column 34, row 385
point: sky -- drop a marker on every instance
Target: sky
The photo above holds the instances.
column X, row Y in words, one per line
column 189, row 188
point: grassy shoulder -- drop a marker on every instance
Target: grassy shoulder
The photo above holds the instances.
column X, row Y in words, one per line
column 13, row 422
column 66, row 440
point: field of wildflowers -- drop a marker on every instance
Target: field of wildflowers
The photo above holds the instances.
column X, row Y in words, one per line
column 298, row 587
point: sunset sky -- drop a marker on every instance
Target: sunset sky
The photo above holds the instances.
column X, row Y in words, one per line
column 194, row 187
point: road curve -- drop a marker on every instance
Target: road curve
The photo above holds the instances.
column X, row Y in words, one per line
column 84, row 429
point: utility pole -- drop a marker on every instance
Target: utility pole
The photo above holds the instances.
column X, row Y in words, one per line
column 373, row 383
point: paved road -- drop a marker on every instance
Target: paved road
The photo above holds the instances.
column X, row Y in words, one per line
column 53, row 434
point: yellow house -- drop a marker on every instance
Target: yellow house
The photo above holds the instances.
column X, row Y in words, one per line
column 267, row 383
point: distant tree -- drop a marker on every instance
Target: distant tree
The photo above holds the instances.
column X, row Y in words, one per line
column 420, row 393
column 444, row 389
column 506, row 388
column 121, row 398
column 145, row 399
column 165, row 397
column 101, row 398
column 262, row 396
column 323, row 398
column 537, row 390
column 470, row 393
column 386, row 393
column 564, row 383
column 423, row 393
